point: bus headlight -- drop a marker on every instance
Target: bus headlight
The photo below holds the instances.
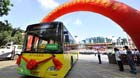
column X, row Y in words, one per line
column 52, row 68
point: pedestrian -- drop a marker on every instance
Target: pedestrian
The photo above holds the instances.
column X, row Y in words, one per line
column 130, row 60
column 118, row 59
column 99, row 56
column 136, row 57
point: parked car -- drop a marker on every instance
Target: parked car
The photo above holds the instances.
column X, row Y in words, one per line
column 10, row 51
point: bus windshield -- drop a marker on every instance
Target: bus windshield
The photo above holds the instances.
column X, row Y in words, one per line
column 43, row 38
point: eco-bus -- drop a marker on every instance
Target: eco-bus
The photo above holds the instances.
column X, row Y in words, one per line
column 49, row 51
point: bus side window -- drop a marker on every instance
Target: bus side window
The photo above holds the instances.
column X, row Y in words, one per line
column 67, row 38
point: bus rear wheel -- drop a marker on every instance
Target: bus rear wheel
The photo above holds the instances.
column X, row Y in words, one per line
column 71, row 61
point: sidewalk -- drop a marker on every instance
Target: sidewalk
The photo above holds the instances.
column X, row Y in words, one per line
column 88, row 67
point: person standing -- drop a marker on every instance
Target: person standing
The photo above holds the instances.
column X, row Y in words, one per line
column 99, row 56
column 118, row 59
column 130, row 60
column 136, row 57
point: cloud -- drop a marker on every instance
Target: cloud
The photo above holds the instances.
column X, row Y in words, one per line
column 78, row 22
column 48, row 4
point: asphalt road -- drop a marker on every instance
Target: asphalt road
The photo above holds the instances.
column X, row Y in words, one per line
column 8, row 69
column 86, row 67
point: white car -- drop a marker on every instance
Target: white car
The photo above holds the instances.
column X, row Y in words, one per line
column 10, row 52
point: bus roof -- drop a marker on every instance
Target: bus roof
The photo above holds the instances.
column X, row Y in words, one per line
column 29, row 27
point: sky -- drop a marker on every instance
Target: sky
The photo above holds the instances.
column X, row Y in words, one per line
column 82, row 24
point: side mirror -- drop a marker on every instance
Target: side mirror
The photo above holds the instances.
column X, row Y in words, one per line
column 66, row 38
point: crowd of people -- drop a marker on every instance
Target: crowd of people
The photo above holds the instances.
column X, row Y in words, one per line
column 133, row 58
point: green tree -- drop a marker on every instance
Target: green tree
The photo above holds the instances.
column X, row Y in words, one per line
column 17, row 38
column 5, row 31
column 5, row 7
column 5, row 35
column 5, row 26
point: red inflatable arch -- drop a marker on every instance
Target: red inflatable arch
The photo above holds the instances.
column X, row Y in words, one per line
column 127, row 17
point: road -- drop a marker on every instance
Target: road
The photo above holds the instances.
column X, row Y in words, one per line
column 86, row 67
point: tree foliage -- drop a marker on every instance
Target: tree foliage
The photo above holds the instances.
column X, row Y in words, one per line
column 5, row 7
column 6, row 31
